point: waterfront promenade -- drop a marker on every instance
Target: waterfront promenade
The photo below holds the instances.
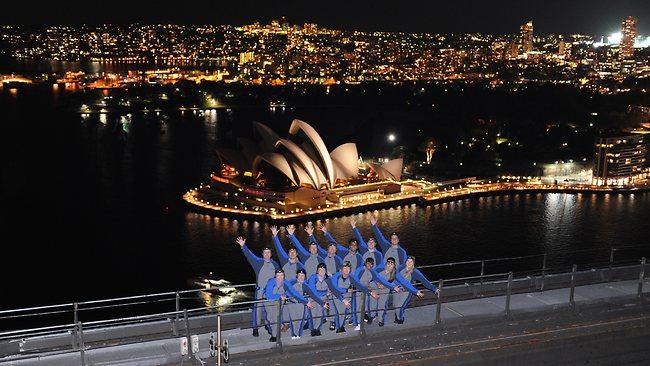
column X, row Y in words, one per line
column 420, row 192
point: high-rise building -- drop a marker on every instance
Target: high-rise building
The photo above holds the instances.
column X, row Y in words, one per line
column 526, row 37
column 246, row 57
column 561, row 48
column 620, row 160
column 628, row 34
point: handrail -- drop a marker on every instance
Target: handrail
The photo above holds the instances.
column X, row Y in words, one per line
column 132, row 320
column 171, row 295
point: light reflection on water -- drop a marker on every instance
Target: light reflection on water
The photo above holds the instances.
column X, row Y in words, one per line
column 218, row 294
column 473, row 228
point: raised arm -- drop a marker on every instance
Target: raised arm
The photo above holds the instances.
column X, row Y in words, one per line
column 310, row 231
column 363, row 247
column 343, row 251
column 302, row 252
column 282, row 254
column 255, row 261
column 381, row 239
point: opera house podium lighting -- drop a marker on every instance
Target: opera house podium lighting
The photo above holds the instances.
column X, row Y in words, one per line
column 282, row 178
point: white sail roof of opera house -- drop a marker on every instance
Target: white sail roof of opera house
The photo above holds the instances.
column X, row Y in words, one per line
column 302, row 157
column 314, row 147
column 389, row 170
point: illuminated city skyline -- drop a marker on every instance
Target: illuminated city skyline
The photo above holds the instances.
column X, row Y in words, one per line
column 592, row 17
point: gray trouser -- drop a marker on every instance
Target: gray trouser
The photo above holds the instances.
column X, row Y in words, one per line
column 341, row 310
column 296, row 317
column 383, row 303
column 401, row 301
column 272, row 316
column 259, row 310
column 371, row 303
column 318, row 314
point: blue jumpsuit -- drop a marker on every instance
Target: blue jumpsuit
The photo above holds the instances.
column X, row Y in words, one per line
column 310, row 261
column 317, row 286
column 273, row 292
column 340, row 288
column 365, row 251
column 263, row 272
column 366, row 281
column 340, row 249
column 405, row 279
column 389, row 281
column 290, row 268
column 395, row 251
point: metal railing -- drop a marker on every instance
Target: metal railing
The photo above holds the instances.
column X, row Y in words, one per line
column 500, row 283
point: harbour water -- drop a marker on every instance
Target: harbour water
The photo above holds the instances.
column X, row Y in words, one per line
column 94, row 202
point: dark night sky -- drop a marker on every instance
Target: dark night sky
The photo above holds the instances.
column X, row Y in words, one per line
column 487, row 16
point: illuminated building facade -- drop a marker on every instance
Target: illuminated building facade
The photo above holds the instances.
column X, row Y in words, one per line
column 526, row 37
column 246, row 57
column 282, row 175
column 620, row 160
column 628, row 34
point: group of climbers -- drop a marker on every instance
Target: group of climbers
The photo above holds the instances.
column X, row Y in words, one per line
column 309, row 286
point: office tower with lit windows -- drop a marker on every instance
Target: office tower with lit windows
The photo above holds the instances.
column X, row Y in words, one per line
column 620, row 160
column 526, row 37
column 628, row 34
column 246, row 57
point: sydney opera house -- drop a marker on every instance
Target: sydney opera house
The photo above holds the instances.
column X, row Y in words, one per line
column 281, row 175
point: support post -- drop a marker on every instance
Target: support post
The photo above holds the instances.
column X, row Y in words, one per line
column 572, row 302
column 279, row 319
column 641, row 279
column 75, row 309
column 82, row 345
column 218, row 340
column 611, row 262
column 541, row 287
column 175, row 320
column 482, row 274
column 508, row 293
column 361, row 316
column 188, row 335
column 439, row 304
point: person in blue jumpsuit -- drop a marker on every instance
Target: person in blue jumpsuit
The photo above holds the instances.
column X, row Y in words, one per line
column 387, row 287
column 340, row 249
column 406, row 275
column 309, row 258
column 278, row 288
column 299, row 310
column 309, row 229
column 332, row 260
column 369, row 249
column 319, row 290
column 390, row 248
column 353, row 256
column 264, row 268
column 365, row 279
column 340, row 285
column 289, row 261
